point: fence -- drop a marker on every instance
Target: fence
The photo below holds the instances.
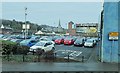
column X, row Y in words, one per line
column 39, row 58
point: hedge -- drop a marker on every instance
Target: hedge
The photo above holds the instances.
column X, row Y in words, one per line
column 9, row 47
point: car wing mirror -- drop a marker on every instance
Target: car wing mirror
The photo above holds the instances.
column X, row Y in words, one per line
column 45, row 45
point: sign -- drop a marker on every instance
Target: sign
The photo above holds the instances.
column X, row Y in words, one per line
column 24, row 26
column 113, row 36
column 87, row 25
column 93, row 30
column 86, row 29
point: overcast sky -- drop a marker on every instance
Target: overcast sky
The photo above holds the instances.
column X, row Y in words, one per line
column 50, row 12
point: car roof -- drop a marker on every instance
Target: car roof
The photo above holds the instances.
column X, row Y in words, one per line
column 79, row 38
column 90, row 39
column 45, row 41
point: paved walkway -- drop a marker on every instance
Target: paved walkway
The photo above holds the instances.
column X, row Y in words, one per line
column 93, row 57
column 59, row 67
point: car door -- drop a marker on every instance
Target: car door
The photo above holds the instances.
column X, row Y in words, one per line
column 48, row 46
column 33, row 42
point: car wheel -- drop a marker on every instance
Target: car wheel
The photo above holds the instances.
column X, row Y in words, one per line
column 43, row 50
column 53, row 49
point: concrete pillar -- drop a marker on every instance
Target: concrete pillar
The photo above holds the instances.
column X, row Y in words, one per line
column 110, row 24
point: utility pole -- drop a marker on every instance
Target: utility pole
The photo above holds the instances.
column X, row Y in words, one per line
column 25, row 23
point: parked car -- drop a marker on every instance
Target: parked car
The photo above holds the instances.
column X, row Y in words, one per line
column 47, row 39
column 59, row 41
column 95, row 40
column 68, row 41
column 9, row 37
column 87, row 38
column 79, row 42
column 28, row 42
column 16, row 40
column 89, row 43
column 74, row 38
column 35, row 37
column 4, row 37
column 23, row 37
column 43, row 45
column 55, row 37
column 1, row 35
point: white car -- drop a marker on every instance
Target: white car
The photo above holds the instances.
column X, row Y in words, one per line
column 43, row 45
column 47, row 39
column 95, row 40
column 89, row 43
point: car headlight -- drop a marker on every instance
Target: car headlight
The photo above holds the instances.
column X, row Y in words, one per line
column 31, row 49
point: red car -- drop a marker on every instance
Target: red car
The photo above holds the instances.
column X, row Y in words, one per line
column 68, row 41
column 59, row 41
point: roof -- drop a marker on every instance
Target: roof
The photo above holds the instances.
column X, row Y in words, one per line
column 39, row 32
column 5, row 27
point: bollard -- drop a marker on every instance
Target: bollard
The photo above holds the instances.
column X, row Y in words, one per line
column 55, row 55
column 38, row 58
column 82, row 58
column 33, row 51
column 23, row 58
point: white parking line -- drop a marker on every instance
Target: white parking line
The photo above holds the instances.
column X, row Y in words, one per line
column 65, row 50
column 75, row 53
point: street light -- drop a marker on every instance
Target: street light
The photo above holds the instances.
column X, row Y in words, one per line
column 25, row 23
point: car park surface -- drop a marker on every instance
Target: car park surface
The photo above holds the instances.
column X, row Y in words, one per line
column 64, row 50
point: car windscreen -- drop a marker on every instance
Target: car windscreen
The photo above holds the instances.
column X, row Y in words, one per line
column 14, row 40
column 90, row 41
column 59, row 38
column 1, row 35
column 45, row 39
column 25, row 41
column 35, row 37
column 40, row 44
column 79, row 40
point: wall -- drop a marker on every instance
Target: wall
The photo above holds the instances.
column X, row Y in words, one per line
column 110, row 24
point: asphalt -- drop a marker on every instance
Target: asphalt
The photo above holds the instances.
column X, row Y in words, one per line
column 65, row 50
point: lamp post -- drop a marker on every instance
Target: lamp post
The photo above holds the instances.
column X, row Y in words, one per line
column 25, row 23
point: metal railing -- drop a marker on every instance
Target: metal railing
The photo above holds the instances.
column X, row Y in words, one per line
column 40, row 57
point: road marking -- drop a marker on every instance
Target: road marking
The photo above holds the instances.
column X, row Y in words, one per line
column 75, row 53
column 72, row 53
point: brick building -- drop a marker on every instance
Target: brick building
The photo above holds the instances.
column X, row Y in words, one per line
column 71, row 29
